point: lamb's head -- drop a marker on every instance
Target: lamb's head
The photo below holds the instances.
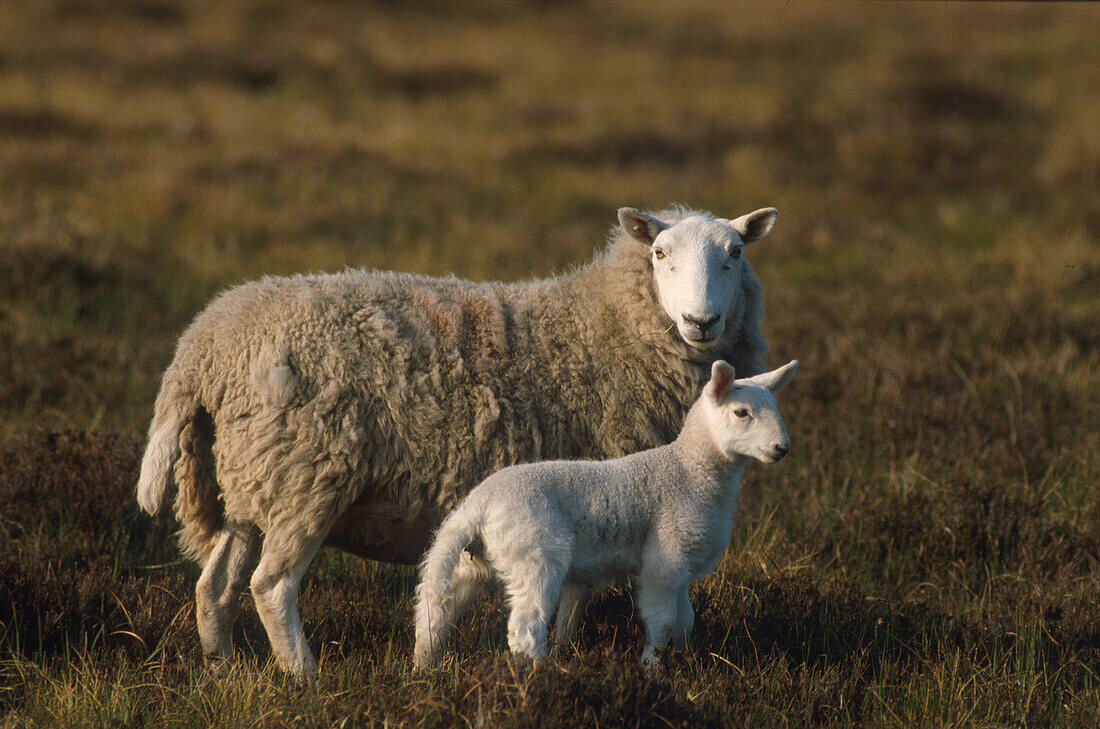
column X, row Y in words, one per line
column 697, row 266
column 742, row 414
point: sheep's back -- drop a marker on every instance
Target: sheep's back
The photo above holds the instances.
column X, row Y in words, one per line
column 410, row 386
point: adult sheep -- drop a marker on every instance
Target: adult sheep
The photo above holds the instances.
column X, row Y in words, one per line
column 356, row 409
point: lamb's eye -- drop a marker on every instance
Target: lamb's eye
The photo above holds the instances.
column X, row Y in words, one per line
column 735, row 253
column 658, row 254
column 741, row 412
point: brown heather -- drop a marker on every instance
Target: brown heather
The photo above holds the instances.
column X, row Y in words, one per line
column 927, row 555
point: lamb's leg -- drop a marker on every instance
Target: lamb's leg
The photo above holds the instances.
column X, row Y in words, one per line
column 532, row 585
column 574, row 596
column 685, row 619
column 658, row 597
column 286, row 555
column 223, row 576
column 470, row 577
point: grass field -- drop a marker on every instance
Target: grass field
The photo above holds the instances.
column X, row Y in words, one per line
column 928, row 554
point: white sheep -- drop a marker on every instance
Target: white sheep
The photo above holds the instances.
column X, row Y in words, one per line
column 554, row 529
column 356, row 409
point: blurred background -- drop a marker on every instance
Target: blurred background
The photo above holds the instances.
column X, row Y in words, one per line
column 935, row 267
column 928, row 157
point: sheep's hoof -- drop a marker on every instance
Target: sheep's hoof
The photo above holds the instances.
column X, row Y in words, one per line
column 306, row 673
column 217, row 664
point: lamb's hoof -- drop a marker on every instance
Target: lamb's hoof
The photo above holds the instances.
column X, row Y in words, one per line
column 564, row 650
column 652, row 663
column 522, row 664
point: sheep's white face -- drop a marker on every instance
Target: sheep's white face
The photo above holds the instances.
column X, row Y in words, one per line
column 697, row 266
column 744, row 418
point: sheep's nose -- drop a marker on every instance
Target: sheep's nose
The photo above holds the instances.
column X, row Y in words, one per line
column 780, row 450
column 703, row 322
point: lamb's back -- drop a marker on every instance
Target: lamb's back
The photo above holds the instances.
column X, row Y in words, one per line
column 599, row 501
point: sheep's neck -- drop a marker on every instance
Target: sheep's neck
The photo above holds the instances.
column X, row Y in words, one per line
column 619, row 288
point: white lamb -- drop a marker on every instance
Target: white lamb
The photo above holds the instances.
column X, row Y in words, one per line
column 554, row 529
column 355, row 409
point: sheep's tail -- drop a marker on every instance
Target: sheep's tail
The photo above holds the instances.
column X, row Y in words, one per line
column 435, row 604
column 180, row 453
column 155, row 484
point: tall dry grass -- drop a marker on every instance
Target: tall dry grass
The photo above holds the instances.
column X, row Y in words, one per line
column 927, row 556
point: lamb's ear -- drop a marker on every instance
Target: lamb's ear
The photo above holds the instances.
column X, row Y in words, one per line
column 721, row 379
column 776, row 380
column 641, row 227
column 755, row 225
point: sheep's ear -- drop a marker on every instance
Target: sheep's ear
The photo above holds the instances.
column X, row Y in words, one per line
column 776, row 380
column 755, row 225
column 641, row 227
column 721, row 379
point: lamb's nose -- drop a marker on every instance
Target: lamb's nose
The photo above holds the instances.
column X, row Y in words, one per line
column 703, row 322
column 781, row 450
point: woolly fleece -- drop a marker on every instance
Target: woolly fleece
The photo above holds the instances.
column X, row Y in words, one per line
column 361, row 406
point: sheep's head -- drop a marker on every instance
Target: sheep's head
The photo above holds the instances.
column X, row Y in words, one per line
column 743, row 417
column 697, row 266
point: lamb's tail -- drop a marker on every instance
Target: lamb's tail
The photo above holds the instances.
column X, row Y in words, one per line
column 181, row 439
column 435, row 594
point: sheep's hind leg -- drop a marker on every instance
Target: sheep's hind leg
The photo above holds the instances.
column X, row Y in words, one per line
column 223, row 577
column 470, row 577
column 533, row 587
column 283, row 562
column 685, row 619
column 434, row 622
column 574, row 596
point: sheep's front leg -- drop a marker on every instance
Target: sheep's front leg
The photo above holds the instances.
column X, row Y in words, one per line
column 658, row 598
column 283, row 561
column 223, row 576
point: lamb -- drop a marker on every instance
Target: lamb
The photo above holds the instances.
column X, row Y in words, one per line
column 555, row 528
column 355, row 409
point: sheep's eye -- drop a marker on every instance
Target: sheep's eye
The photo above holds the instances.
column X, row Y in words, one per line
column 735, row 253
column 741, row 412
column 658, row 254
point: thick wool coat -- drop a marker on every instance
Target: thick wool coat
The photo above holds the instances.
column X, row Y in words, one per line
column 363, row 405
